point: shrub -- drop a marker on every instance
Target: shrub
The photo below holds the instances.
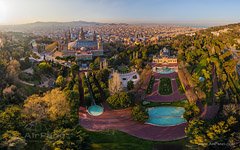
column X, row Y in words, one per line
column 68, row 139
column 191, row 111
column 150, row 85
column 12, row 140
column 45, row 67
column 85, row 90
column 130, row 85
column 139, row 113
column 119, row 100
column 60, row 81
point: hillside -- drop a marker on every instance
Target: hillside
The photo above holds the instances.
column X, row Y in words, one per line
column 212, row 54
column 37, row 26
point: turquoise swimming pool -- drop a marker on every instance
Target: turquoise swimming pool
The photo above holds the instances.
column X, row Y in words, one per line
column 95, row 110
column 166, row 116
column 165, row 70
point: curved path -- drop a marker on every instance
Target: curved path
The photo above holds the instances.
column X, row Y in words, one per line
column 121, row 120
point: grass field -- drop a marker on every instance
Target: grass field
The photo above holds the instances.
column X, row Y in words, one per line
column 116, row 140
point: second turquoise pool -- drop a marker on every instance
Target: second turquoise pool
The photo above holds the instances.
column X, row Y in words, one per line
column 166, row 116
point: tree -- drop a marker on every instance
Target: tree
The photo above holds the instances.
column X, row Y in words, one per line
column 35, row 108
column 219, row 95
column 44, row 67
column 219, row 131
column 119, row 100
column 201, row 133
column 130, row 85
column 53, row 105
column 138, row 63
column 195, row 132
column 11, row 119
column 12, row 140
column 103, row 75
column 115, row 84
column 11, row 95
column 206, row 74
column 13, row 70
column 2, row 75
column 191, row 111
column 68, row 139
column 58, row 106
column 231, row 110
column 73, row 97
column 60, row 81
column 139, row 113
column 145, row 77
column 74, row 70
column 234, row 140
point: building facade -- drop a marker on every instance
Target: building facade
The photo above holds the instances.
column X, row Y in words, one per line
column 164, row 57
column 85, row 49
column 164, row 62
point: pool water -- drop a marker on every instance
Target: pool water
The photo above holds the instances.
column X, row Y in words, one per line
column 165, row 70
column 95, row 110
column 166, row 116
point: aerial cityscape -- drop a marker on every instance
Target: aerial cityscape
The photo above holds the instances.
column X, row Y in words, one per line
column 119, row 75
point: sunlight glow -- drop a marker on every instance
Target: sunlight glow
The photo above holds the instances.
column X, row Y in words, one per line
column 3, row 11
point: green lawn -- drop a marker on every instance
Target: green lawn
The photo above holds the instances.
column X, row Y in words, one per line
column 165, row 86
column 115, row 140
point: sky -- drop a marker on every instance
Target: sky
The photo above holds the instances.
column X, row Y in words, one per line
column 124, row 11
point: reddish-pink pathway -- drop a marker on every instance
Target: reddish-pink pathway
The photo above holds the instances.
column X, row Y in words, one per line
column 121, row 120
column 156, row 97
column 208, row 112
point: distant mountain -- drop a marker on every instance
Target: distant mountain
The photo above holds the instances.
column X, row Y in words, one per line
column 72, row 23
column 38, row 26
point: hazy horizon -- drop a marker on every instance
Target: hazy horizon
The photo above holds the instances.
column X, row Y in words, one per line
column 204, row 12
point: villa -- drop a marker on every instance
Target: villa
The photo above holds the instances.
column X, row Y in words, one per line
column 164, row 62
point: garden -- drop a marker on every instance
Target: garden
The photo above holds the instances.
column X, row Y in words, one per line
column 150, row 85
column 165, row 86
column 123, row 69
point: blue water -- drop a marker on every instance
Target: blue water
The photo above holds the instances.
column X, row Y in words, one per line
column 165, row 71
column 166, row 116
column 95, row 110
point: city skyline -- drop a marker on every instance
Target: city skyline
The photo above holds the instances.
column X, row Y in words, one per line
column 120, row 11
